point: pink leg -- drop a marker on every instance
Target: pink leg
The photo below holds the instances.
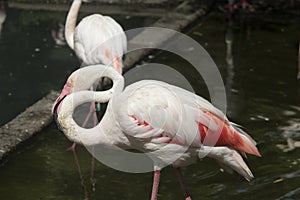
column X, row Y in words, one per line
column 183, row 188
column 72, row 148
column 155, row 185
column 91, row 111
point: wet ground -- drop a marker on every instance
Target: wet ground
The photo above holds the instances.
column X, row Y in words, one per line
column 262, row 93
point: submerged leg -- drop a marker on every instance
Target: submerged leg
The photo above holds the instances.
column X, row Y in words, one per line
column 86, row 196
column 182, row 185
column 155, row 185
column 92, row 179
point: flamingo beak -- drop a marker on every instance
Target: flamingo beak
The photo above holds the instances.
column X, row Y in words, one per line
column 55, row 114
column 56, row 106
column 65, row 92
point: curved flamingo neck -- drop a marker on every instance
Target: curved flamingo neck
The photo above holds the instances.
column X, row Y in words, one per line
column 71, row 22
column 84, row 78
column 68, row 125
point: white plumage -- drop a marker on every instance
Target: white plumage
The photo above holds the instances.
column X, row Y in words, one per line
column 97, row 39
column 165, row 121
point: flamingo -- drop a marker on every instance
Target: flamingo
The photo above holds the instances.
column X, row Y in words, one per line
column 97, row 39
column 172, row 124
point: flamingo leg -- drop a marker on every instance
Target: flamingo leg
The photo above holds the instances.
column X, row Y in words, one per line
column 155, row 185
column 91, row 111
column 86, row 196
column 182, row 185
column 72, row 148
column 92, row 179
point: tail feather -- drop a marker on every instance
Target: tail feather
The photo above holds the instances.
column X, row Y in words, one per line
column 229, row 158
column 229, row 135
column 239, row 129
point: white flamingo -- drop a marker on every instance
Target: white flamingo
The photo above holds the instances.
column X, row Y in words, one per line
column 149, row 120
column 97, row 39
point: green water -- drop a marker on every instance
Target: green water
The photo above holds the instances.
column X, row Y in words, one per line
column 263, row 96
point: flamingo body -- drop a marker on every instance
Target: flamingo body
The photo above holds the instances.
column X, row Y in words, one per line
column 167, row 121
column 100, row 39
column 96, row 39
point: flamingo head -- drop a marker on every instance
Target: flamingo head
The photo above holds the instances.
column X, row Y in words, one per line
column 77, row 81
column 57, row 104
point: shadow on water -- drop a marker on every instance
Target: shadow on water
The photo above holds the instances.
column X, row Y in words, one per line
column 258, row 62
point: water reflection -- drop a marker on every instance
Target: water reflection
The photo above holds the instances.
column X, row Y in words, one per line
column 2, row 15
column 291, row 130
column 57, row 33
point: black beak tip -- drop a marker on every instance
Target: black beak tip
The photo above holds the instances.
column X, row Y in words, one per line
column 55, row 114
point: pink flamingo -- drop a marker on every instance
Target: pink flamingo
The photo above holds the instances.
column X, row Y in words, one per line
column 151, row 122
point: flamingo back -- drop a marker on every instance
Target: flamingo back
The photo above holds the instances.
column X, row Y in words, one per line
column 100, row 39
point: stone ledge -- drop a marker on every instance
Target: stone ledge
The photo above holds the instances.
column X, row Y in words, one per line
column 26, row 124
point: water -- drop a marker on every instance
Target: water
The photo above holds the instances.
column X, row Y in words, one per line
column 263, row 96
column 33, row 61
